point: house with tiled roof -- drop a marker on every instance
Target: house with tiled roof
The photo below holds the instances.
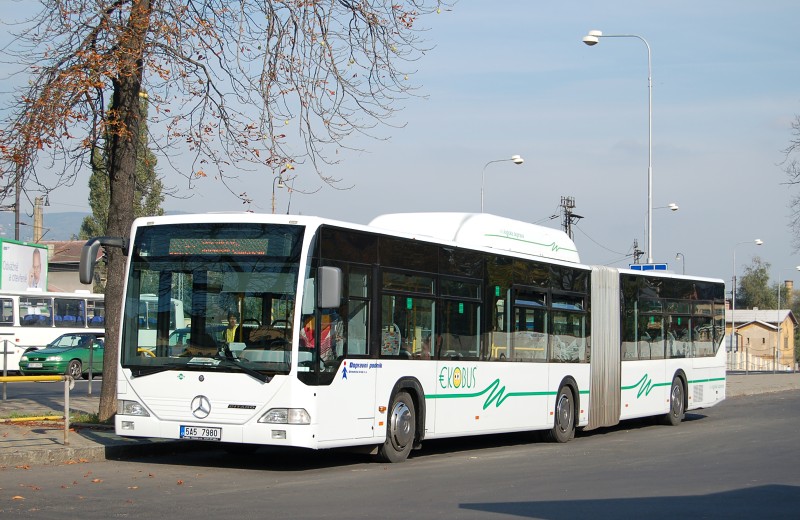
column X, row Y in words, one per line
column 63, row 259
column 765, row 339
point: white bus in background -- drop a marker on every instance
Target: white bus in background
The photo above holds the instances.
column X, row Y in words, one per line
column 148, row 312
column 31, row 319
column 418, row 326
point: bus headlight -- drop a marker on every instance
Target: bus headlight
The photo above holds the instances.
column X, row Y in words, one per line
column 131, row 408
column 286, row 416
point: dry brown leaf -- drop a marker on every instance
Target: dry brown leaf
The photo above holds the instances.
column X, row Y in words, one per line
column 17, row 497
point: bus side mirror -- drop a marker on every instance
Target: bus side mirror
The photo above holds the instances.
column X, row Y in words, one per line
column 89, row 255
column 329, row 285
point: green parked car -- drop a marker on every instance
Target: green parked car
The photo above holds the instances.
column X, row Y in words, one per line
column 67, row 354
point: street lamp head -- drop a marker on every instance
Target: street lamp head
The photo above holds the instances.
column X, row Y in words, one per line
column 672, row 206
column 516, row 159
column 593, row 38
column 759, row 242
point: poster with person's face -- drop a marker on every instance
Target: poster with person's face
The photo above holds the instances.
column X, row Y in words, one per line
column 23, row 267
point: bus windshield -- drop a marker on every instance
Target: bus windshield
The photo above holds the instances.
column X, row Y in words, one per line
column 235, row 286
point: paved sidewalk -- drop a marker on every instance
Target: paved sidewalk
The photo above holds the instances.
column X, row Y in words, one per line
column 42, row 442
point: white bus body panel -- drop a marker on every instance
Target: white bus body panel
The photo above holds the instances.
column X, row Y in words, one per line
column 707, row 384
column 645, row 389
column 484, row 230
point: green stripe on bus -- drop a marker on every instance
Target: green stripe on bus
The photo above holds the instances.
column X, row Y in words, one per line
column 497, row 394
column 647, row 386
column 712, row 380
column 553, row 246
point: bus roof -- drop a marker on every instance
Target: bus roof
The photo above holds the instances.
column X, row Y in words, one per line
column 484, row 230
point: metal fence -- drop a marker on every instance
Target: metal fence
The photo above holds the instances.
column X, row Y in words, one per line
column 69, row 383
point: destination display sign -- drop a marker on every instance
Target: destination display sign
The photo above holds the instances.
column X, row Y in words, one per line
column 218, row 246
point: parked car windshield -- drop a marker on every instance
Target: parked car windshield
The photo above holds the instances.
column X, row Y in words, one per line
column 75, row 340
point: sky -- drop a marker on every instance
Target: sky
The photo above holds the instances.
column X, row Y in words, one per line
column 507, row 78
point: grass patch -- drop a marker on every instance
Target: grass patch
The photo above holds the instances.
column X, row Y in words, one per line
column 75, row 417
column 89, row 418
column 22, row 415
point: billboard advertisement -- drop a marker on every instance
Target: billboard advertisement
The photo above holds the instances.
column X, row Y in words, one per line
column 22, row 266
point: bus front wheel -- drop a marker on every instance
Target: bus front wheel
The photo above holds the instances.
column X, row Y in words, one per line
column 677, row 410
column 400, row 430
column 564, row 427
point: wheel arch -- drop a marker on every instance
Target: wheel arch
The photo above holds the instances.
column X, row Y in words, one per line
column 413, row 388
column 680, row 374
column 570, row 382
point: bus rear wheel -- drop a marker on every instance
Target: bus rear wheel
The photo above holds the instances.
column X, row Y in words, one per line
column 400, row 430
column 677, row 410
column 564, row 427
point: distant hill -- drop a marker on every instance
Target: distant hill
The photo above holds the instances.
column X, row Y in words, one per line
column 57, row 226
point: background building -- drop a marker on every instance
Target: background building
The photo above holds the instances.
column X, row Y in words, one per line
column 766, row 339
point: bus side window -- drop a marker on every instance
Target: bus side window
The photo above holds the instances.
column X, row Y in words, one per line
column 356, row 335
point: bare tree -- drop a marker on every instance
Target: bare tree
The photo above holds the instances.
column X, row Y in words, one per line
column 232, row 86
column 791, row 166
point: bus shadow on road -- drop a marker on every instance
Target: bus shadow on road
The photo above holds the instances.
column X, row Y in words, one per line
column 637, row 424
column 771, row 501
column 202, row 454
column 264, row 458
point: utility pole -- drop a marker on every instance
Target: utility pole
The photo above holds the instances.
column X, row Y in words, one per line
column 637, row 253
column 37, row 219
column 569, row 218
column 16, row 202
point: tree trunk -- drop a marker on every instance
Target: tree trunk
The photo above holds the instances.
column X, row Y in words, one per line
column 123, row 120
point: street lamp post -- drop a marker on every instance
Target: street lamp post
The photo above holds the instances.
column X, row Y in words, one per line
column 280, row 185
column 593, row 38
column 757, row 242
column 679, row 256
column 780, row 326
column 516, row 159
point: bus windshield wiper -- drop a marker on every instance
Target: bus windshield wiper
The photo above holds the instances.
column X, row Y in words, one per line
column 154, row 369
column 247, row 370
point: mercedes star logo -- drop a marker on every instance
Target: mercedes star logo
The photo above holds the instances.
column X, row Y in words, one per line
column 201, row 407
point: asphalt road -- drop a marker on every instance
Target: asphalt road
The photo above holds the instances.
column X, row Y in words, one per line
column 737, row 460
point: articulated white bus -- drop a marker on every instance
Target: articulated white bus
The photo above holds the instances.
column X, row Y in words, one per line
column 418, row 326
column 33, row 318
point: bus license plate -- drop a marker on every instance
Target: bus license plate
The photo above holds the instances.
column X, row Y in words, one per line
column 34, row 365
column 202, row 433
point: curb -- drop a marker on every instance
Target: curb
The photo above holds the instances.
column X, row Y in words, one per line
column 60, row 454
column 56, row 455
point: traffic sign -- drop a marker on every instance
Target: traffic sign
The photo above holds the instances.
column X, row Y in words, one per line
column 648, row 267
